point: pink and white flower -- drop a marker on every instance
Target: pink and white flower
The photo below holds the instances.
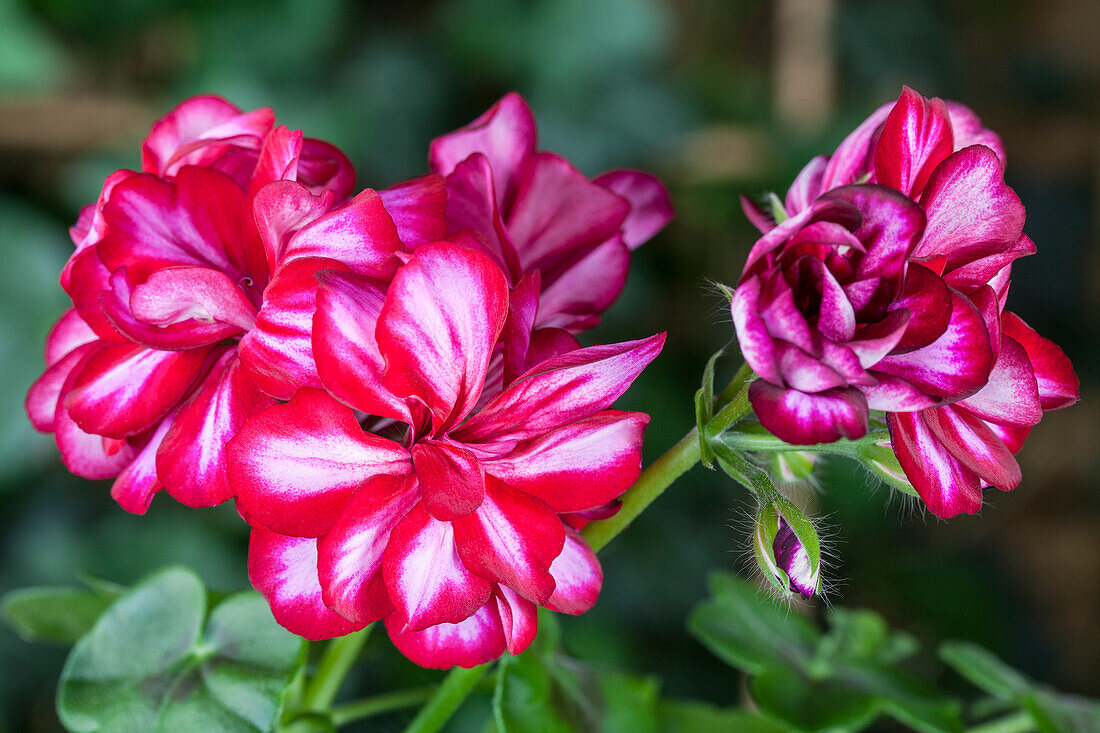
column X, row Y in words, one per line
column 532, row 210
column 943, row 160
column 446, row 520
column 193, row 293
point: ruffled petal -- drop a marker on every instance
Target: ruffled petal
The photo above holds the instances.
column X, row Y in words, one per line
column 135, row 486
column 519, row 619
column 451, row 479
column 577, row 577
column 1058, row 384
column 561, row 390
column 417, row 208
column 854, row 157
column 916, row 136
column 971, row 212
column 1011, row 396
column 973, row 445
column 476, row 640
column 360, row 234
column 576, row 297
column 284, row 570
column 753, row 336
column 68, row 333
column 804, row 419
column 472, row 205
column 200, row 130
column 650, row 207
column 42, row 397
column 511, row 539
column 323, row 167
column 348, row 360
column 945, row 485
column 443, row 313
column 558, row 213
column 580, row 466
column 278, row 352
column 505, row 134
column 955, row 365
column 806, row 186
column 294, row 466
column 350, row 554
column 281, row 210
column 191, row 461
column 427, row 580
column 278, row 159
column 125, row 389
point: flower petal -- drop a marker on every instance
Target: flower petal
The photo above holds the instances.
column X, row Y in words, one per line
column 451, row 480
column 360, row 234
column 278, row 352
column 519, row 618
column 945, row 485
column 278, row 159
column 417, row 208
column 443, row 313
column 955, row 365
column 559, row 214
column 971, row 212
column 68, row 333
column 178, row 294
column 199, row 131
column 477, row 640
column 348, row 360
column 293, row 466
column 282, row 209
column 1058, row 384
column 511, row 539
column 806, row 186
column 472, row 205
column 427, row 581
column 191, row 461
column 804, row 419
column 1011, row 396
column 650, row 207
column 135, row 486
column 42, row 397
column 576, row 296
column 350, row 554
column 323, row 167
column 284, row 570
column 577, row 577
column 753, row 336
column 125, row 389
column 915, row 137
column 854, row 157
column 505, row 134
column 561, row 390
column 973, row 445
column 580, row 466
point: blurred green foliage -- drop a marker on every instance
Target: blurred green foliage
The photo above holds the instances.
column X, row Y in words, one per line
column 613, row 82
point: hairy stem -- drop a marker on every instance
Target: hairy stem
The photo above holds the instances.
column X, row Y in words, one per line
column 380, row 704
column 446, row 699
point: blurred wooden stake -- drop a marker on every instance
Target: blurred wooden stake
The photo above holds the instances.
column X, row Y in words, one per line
column 65, row 125
column 805, row 62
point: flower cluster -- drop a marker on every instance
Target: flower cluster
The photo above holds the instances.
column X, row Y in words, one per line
column 880, row 283
column 388, row 383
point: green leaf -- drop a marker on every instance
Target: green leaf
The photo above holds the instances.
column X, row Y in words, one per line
column 748, row 631
column 1056, row 712
column 985, row 670
column 684, row 716
column 813, row 681
column 148, row 664
column 59, row 615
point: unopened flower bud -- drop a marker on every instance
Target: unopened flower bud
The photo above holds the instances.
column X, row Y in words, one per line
column 787, row 549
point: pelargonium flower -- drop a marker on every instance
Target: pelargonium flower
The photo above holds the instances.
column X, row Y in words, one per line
column 836, row 321
column 192, row 285
column 943, row 159
column 447, row 520
column 532, row 210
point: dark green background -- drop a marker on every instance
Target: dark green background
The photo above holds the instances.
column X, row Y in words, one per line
column 690, row 90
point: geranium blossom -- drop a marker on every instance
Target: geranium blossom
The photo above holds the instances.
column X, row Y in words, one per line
column 940, row 156
column 192, row 285
column 532, row 210
column 447, row 523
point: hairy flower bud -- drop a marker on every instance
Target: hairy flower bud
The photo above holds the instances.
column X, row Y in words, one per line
column 787, row 548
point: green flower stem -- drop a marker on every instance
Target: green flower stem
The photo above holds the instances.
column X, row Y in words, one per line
column 653, row 481
column 380, row 704
column 448, row 696
column 1020, row 722
column 339, row 655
